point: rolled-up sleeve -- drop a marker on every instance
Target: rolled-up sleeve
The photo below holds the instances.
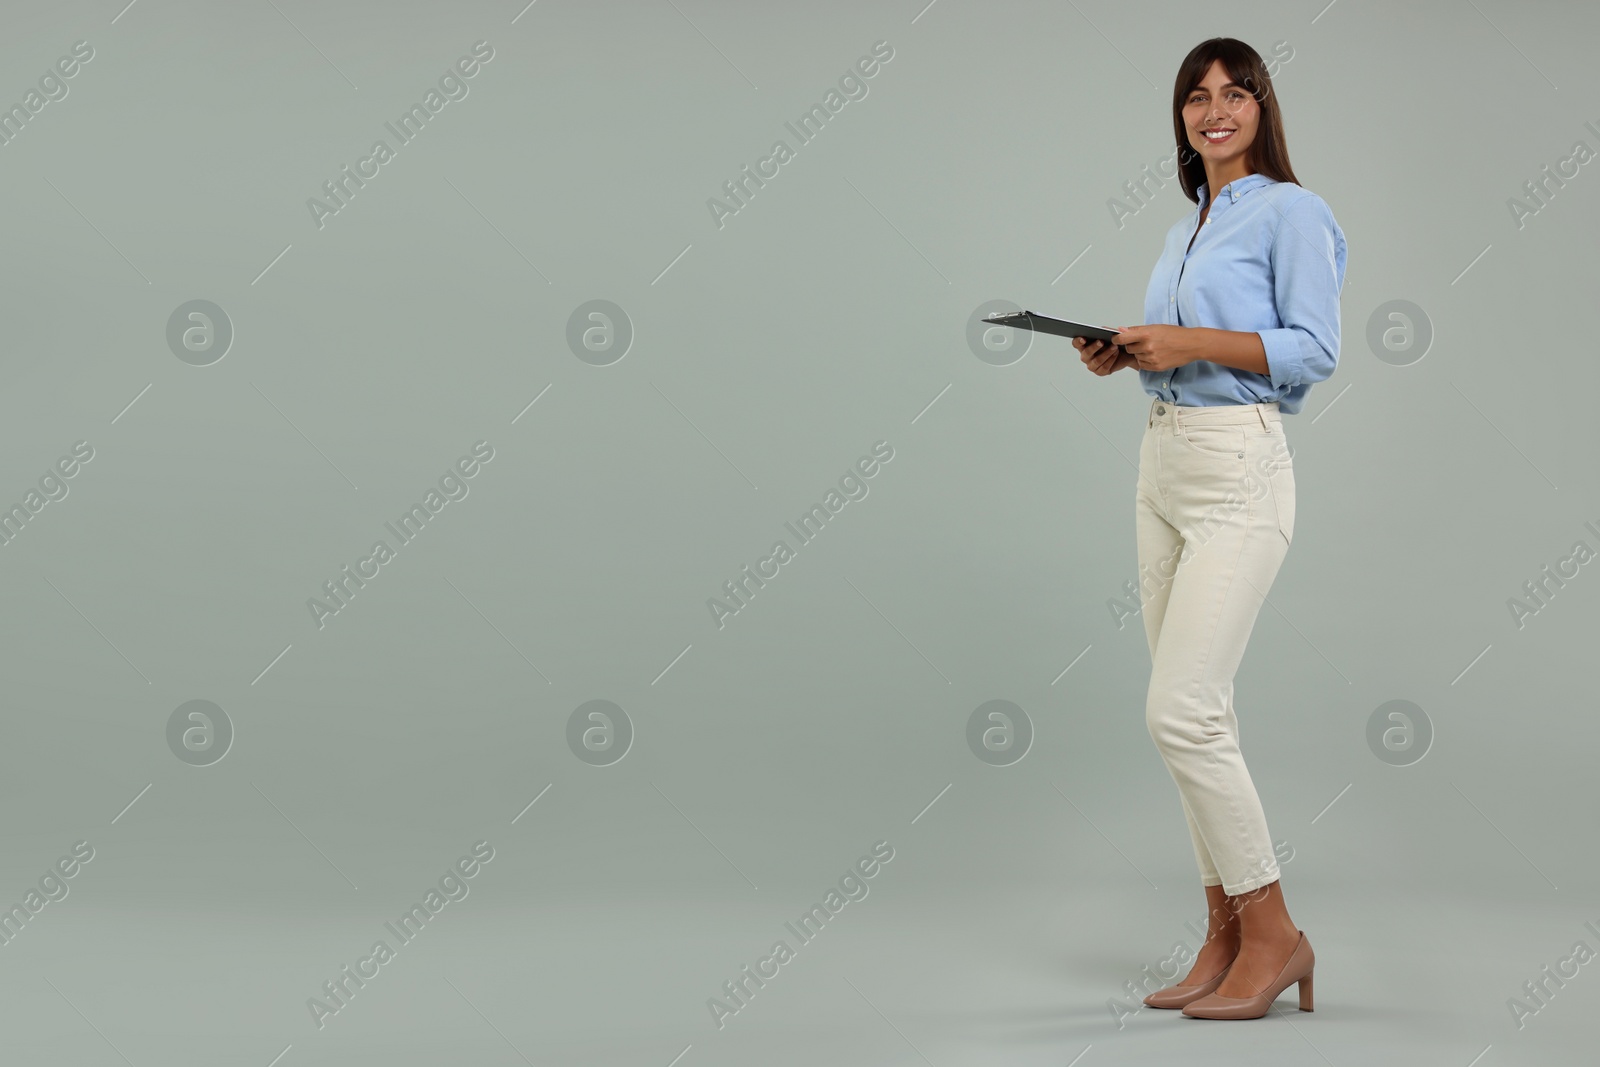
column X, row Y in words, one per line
column 1308, row 259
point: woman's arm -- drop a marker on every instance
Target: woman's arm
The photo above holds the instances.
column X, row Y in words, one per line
column 1162, row 347
column 1232, row 348
column 1308, row 256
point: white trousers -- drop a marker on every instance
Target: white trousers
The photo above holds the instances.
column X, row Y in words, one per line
column 1215, row 515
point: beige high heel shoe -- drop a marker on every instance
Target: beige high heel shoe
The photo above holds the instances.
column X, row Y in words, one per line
column 1297, row 969
column 1176, row 996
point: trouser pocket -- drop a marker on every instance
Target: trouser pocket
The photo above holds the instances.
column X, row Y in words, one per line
column 1272, row 462
column 1283, row 498
column 1215, row 439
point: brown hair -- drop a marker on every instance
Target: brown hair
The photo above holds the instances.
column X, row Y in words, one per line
column 1268, row 153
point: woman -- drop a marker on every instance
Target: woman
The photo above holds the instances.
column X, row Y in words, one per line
column 1242, row 317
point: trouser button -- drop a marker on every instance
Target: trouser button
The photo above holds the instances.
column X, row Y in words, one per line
column 1160, row 410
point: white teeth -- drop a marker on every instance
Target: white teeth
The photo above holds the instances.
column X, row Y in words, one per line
column 1222, row 132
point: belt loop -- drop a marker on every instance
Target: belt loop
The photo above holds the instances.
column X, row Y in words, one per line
column 1263, row 417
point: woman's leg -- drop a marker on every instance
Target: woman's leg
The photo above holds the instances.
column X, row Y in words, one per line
column 1267, row 937
column 1233, row 554
column 1159, row 549
column 1228, row 491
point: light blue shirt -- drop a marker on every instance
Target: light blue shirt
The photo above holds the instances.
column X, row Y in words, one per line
column 1269, row 259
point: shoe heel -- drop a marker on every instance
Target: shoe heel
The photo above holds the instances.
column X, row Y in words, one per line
column 1305, row 992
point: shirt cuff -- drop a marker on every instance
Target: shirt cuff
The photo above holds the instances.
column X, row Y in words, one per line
column 1285, row 364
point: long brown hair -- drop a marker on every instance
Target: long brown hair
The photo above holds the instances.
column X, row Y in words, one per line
column 1268, row 153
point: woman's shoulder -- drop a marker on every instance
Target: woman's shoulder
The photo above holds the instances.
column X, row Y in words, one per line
column 1286, row 195
column 1301, row 208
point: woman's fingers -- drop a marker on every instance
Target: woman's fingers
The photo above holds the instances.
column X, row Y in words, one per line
column 1101, row 357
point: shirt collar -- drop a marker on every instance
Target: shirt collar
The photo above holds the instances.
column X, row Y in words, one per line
column 1236, row 188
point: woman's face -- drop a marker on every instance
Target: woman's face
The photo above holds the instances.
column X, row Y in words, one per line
column 1218, row 104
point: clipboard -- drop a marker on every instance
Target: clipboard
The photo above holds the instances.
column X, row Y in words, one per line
column 1030, row 320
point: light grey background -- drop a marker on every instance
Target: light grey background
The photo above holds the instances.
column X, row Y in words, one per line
column 769, row 355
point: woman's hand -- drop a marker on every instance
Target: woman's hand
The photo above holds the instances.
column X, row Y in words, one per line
column 1101, row 357
column 1160, row 347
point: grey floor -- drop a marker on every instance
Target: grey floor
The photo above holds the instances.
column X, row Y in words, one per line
column 1002, row 931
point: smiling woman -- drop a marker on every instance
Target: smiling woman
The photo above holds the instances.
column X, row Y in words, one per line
column 1241, row 318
